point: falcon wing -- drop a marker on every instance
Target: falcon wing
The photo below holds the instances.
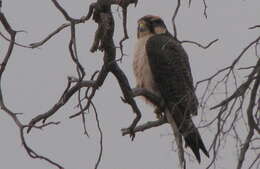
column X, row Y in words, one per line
column 172, row 74
column 171, row 70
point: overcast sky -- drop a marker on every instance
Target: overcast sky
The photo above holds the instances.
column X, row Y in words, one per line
column 35, row 79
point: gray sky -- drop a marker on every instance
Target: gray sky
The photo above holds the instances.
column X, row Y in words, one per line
column 35, row 79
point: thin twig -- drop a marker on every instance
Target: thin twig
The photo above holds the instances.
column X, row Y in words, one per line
column 18, row 44
column 205, row 9
column 101, row 136
column 40, row 43
column 253, row 27
column 174, row 18
column 200, row 45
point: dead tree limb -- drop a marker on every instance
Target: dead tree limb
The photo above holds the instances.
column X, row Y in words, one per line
column 13, row 115
column 251, row 122
column 103, row 41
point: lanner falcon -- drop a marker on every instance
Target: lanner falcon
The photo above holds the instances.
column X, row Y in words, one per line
column 161, row 66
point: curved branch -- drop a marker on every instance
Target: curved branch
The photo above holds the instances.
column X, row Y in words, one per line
column 174, row 18
column 40, row 43
column 200, row 45
column 62, row 101
column 205, row 9
column 13, row 115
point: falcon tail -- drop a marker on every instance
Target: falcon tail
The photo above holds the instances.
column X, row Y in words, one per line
column 194, row 141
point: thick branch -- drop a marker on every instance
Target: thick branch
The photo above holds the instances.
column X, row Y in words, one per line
column 167, row 119
column 104, row 37
column 145, row 126
column 253, row 100
column 155, row 100
column 125, row 87
column 244, row 149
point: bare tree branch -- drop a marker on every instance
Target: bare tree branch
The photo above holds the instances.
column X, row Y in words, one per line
column 63, row 11
column 101, row 136
column 18, row 44
column 253, row 163
column 200, row 45
column 40, row 43
column 155, row 100
column 231, row 107
column 242, row 89
column 251, row 122
column 174, row 18
column 205, row 9
column 62, row 101
column 145, row 126
column 253, row 27
column 21, row 127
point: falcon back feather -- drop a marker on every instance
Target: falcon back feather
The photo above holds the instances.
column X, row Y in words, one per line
column 168, row 62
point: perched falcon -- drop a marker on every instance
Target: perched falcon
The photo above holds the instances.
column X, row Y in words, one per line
column 161, row 66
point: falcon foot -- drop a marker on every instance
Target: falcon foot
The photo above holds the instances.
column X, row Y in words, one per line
column 158, row 112
column 131, row 133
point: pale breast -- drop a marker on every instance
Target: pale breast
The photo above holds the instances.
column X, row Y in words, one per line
column 141, row 67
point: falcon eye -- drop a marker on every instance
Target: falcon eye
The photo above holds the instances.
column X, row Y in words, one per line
column 141, row 24
column 141, row 27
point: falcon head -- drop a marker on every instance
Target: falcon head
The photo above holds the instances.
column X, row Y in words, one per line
column 150, row 24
